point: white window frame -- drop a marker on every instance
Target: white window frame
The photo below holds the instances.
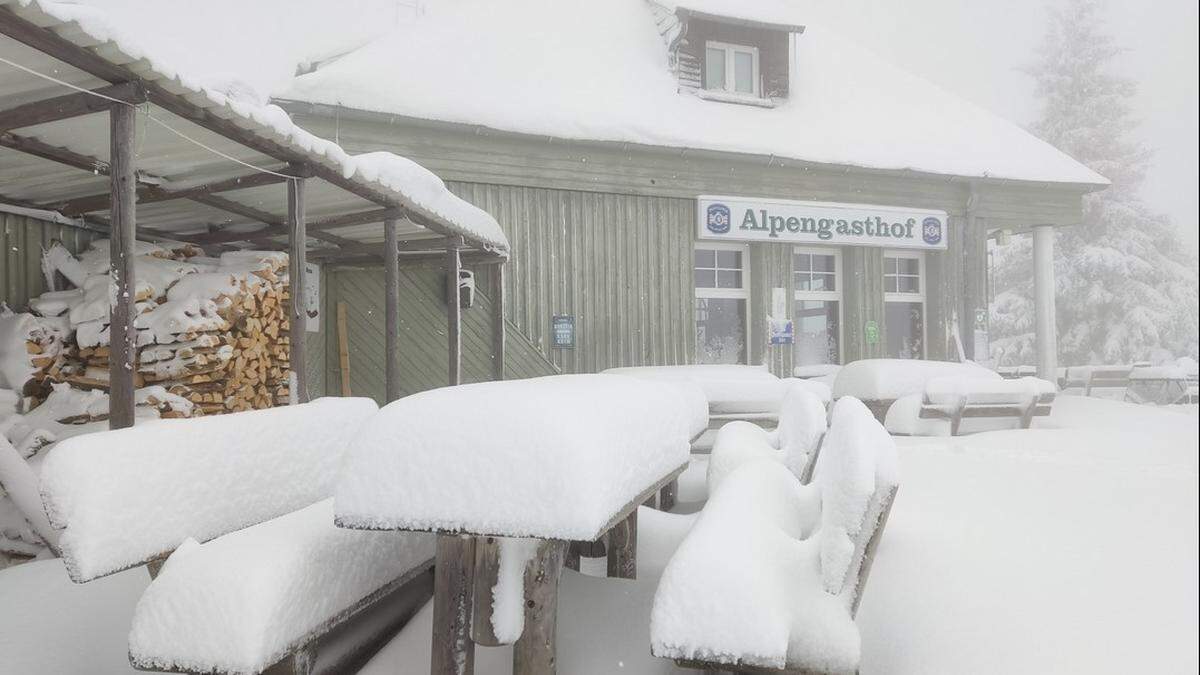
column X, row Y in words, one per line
column 730, row 77
column 918, row 297
column 825, row 296
column 742, row 293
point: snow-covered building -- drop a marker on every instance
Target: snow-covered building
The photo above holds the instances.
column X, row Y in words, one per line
column 698, row 180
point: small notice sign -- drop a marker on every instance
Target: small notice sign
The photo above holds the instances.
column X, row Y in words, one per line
column 562, row 331
column 872, row 333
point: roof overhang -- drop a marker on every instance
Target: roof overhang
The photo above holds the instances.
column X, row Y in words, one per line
column 685, row 14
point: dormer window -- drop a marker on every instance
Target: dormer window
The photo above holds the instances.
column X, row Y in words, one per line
column 731, row 68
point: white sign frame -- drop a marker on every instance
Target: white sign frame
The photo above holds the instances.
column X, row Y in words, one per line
column 785, row 221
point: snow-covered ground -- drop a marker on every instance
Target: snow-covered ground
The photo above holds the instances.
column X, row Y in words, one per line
column 1071, row 547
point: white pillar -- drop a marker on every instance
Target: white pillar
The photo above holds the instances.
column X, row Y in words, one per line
column 1043, row 302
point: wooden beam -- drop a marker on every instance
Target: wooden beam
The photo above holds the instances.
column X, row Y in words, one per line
column 499, row 330
column 122, row 357
column 149, row 193
column 486, row 577
column 453, row 652
column 453, row 311
column 391, row 314
column 536, row 651
column 32, row 146
column 69, row 106
column 622, row 548
column 297, row 243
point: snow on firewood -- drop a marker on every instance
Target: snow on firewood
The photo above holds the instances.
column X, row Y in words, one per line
column 545, row 457
column 126, row 495
column 240, row 602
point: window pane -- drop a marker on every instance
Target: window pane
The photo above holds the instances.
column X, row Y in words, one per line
column 824, row 263
column 816, row 333
column 720, row 330
column 743, row 72
column 729, row 279
column 823, row 282
column 904, row 324
column 908, row 265
column 714, row 69
column 802, row 262
column 889, row 284
column 729, row 260
column 706, row 279
column 909, row 284
column 804, row 281
column 705, row 257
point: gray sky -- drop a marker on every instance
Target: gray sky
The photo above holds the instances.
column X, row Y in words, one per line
column 976, row 49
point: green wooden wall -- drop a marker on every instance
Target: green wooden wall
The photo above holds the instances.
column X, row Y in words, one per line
column 23, row 239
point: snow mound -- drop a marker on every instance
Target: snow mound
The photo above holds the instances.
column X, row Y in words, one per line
column 20, row 481
column 730, row 389
column 240, row 602
column 126, row 496
column 793, row 443
column 885, row 379
column 553, row 457
column 950, row 390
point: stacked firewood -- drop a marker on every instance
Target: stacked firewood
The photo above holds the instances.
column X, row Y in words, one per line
column 214, row 332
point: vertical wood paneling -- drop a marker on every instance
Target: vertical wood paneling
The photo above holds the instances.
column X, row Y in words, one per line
column 23, row 240
column 863, row 297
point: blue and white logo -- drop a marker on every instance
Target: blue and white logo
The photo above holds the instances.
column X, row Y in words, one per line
column 931, row 230
column 718, row 219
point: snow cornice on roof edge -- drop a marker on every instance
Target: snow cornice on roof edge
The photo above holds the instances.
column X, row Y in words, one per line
column 395, row 182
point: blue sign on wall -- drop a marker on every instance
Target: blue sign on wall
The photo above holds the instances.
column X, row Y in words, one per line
column 562, row 331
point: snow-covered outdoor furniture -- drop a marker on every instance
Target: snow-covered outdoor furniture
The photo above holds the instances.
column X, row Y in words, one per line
column 1014, row 372
column 954, row 399
column 274, row 576
column 506, row 473
column 879, row 382
column 795, row 443
column 1093, row 378
column 1160, row 385
column 770, row 576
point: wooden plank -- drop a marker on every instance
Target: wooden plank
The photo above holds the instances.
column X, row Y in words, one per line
column 297, row 318
column 667, row 495
column 122, row 335
column 149, row 194
column 68, row 106
column 453, row 312
column 499, row 328
column 391, row 314
column 453, row 652
column 535, row 653
column 343, row 348
column 487, row 576
column 622, row 548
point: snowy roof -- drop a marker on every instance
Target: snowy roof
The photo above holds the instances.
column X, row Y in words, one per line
column 599, row 71
column 187, row 133
column 778, row 13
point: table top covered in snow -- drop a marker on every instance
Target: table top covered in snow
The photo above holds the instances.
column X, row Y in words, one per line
column 562, row 457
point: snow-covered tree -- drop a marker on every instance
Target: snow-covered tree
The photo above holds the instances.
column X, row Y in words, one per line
column 1126, row 282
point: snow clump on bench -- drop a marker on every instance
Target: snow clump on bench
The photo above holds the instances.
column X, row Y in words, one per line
column 771, row 574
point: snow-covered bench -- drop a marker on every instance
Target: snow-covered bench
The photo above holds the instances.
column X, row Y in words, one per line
column 275, row 582
column 505, row 473
column 878, row 383
column 795, row 443
column 771, row 575
column 954, row 400
column 1091, row 378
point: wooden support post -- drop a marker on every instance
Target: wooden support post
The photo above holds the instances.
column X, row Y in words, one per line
column 453, row 651
column 667, row 496
column 487, row 575
column 454, row 310
column 499, row 337
column 122, row 336
column 391, row 314
column 622, row 548
column 297, row 318
column 536, row 651
column 343, row 333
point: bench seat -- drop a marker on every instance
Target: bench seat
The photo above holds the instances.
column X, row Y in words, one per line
column 242, row 602
column 795, row 443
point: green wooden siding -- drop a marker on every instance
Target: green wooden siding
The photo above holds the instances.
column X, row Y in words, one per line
column 23, row 239
column 424, row 351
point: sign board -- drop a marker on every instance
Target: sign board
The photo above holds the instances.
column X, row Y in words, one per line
column 312, row 297
column 872, row 332
column 796, row 222
column 562, row 331
column 782, row 331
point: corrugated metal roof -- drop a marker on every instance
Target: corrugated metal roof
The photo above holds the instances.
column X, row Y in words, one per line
column 168, row 161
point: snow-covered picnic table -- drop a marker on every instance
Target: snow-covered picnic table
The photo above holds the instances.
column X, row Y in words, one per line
column 507, row 473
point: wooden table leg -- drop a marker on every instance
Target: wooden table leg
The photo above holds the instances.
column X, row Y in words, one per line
column 667, row 495
column 487, row 576
column 571, row 561
column 622, row 548
column 535, row 653
column 453, row 652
